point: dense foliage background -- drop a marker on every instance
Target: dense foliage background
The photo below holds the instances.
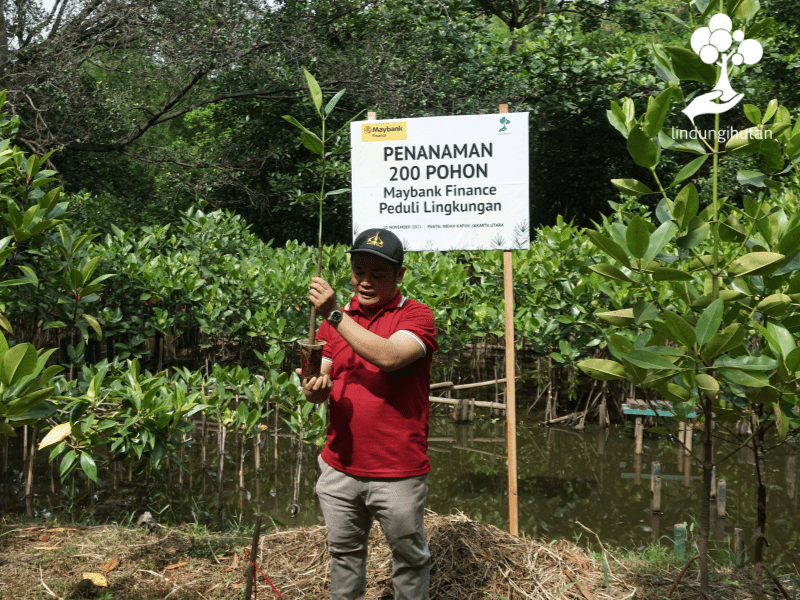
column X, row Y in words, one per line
column 151, row 107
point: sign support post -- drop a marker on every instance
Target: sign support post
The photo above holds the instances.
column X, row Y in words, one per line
column 511, row 391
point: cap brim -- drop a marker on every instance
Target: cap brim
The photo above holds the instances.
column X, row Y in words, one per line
column 376, row 253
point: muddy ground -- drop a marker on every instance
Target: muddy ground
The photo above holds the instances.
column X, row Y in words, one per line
column 471, row 561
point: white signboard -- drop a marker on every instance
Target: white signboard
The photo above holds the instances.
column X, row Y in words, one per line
column 444, row 183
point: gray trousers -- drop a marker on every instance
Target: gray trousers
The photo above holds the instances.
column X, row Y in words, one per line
column 349, row 505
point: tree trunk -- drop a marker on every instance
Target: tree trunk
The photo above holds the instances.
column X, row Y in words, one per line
column 761, row 521
column 705, row 520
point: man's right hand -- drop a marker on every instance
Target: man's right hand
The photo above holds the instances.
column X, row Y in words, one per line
column 316, row 389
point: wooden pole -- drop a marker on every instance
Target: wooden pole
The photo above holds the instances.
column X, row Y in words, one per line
column 657, row 496
column 638, row 436
column 738, row 546
column 655, row 471
column 511, row 412
column 679, row 540
column 721, row 498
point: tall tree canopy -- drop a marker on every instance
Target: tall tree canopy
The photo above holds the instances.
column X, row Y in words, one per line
column 153, row 105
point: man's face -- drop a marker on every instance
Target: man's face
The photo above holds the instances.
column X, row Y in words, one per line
column 374, row 281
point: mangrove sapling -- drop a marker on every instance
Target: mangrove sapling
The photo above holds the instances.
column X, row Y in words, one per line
column 316, row 143
column 721, row 284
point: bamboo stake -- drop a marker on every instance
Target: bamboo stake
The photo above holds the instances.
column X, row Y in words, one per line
column 257, row 452
column 221, row 442
column 241, row 461
column 29, row 478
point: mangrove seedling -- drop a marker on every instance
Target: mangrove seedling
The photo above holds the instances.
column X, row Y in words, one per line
column 316, row 143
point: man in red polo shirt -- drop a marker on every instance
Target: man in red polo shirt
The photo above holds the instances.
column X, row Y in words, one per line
column 376, row 374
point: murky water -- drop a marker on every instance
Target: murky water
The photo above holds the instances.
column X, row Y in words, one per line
column 564, row 477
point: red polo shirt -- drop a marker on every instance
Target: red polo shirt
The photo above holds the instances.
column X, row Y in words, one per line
column 379, row 420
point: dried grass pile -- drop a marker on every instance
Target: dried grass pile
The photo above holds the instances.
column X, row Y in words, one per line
column 471, row 561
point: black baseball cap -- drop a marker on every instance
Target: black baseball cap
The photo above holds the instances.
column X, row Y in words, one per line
column 380, row 242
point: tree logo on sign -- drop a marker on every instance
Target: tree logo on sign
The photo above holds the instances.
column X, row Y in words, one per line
column 504, row 122
column 711, row 44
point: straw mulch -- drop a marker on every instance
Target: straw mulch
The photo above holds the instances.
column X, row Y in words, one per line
column 471, row 561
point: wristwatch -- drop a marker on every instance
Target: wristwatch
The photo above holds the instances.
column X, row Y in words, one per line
column 335, row 317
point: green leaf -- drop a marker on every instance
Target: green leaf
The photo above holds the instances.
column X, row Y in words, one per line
column 779, row 338
column 643, row 312
column 687, row 65
column 631, row 187
column 89, row 467
column 617, row 317
column 295, row 122
column 774, row 305
column 746, row 363
column 337, row 192
column 755, row 178
column 662, row 64
column 95, row 325
column 609, row 246
column 649, row 360
column 686, row 205
column 604, row 370
column 332, row 104
column 312, row 142
column 637, row 237
column 609, row 271
column 689, row 169
column 316, row 92
column 20, row 406
column 656, row 112
column 755, row 263
column 790, row 241
column 724, row 341
column 642, row 149
column 67, row 462
column 747, row 379
column 743, row 9
column 18, row 362
column 707, row 384
column 659, row 239
column 793, row 360
column 675, row 393
column 753, row 113
column 781, row 422
column 751, row 140
column 679, row 330
column 304, row 197
column 669, row 274
column 709, row 321
column 697, row 231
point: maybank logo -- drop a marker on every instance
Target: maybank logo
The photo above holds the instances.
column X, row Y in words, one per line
column 383, row 132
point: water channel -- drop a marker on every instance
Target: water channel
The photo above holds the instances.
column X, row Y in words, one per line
column 564, row 477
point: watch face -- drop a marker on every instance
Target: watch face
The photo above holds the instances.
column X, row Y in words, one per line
column 335, row 316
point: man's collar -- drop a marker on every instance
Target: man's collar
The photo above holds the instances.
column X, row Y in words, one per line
column 354, row 306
